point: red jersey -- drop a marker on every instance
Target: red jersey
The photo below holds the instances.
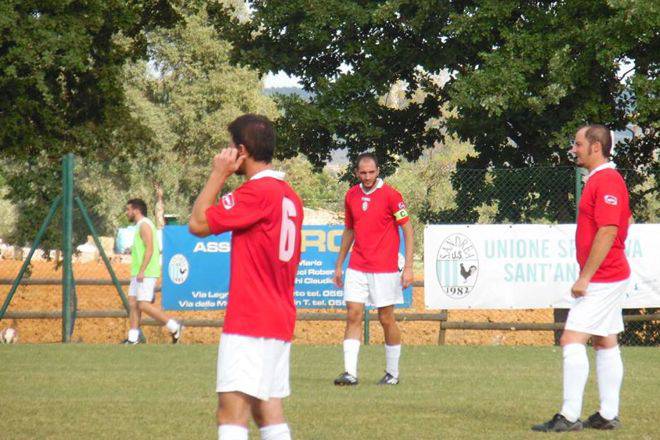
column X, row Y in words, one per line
column 604, row 202
column 265, row 216
column 374, row 217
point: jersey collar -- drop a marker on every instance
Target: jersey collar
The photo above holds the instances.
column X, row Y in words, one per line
column 379, row 184
column 606, row 165
column 279, row 175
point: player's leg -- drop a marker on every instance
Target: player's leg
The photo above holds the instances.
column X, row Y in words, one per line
column 609, row 366
column 233, row 414
column 268, row 408
column 609, row 372
column 146, row 296
column 351, row 344
column 354, row 314
column 356, row 292
column 269, row 416
column 576, row 372
column 133, row 314
column 386, row 291
column 392, row 344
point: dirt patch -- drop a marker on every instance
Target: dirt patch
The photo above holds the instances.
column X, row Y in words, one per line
column 113, row 330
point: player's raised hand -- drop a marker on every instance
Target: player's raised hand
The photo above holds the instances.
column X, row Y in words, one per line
column 227, row 162
column 339, row 279
column 579, row 288
column 407, row 277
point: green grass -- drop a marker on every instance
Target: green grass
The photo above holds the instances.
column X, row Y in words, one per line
column 167, row 392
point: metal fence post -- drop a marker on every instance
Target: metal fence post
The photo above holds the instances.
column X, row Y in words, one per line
column 106, row 261
column 67, row 245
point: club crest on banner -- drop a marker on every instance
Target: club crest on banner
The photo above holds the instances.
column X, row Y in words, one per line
column 457, row 266
column 178, row 269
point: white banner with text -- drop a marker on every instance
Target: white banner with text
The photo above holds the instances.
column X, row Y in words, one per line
column 524, row 266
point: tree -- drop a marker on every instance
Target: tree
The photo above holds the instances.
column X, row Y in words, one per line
column 520, row 77
column 61, row 82
column 186, row 96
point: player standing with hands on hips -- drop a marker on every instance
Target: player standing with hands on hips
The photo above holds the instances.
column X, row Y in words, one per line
column 373, row 213
column 265, row 216
column 602, row 227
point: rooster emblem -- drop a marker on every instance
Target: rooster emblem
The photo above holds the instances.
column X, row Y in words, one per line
column 467, row 273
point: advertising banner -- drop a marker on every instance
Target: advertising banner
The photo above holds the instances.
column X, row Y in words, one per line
column 196, row 270
column 524, row 266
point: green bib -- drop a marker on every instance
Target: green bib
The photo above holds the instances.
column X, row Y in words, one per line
column 139, row 248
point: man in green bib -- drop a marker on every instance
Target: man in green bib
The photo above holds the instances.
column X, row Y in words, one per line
column 145, row 271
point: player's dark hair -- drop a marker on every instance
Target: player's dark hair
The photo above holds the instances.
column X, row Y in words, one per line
column 139, row 205
column 256, row 133
column 365, row 156
column 599, row 133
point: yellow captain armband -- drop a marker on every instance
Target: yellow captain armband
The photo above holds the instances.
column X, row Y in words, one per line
column 400, row 214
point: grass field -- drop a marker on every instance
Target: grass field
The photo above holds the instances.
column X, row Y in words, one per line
column 167, row 392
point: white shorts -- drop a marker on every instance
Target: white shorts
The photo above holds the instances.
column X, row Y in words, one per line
column 143, row 291
column 599, row 311
column 258, row 367
column 374, row 289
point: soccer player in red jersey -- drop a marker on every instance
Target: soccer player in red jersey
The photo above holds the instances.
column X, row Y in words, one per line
column 373, row 213
column 602, row 227
column 265, row 216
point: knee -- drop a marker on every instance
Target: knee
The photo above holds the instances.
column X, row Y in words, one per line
column 387, row 319
column 141, row 305
column 354, row 317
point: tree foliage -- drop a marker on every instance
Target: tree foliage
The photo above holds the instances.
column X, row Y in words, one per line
column 186, row 96
column 519, row 77
column 61, row 81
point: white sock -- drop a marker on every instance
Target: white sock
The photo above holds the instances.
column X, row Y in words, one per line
column 232, row 432
column 172, row 326
column 351, row 351
column 609, row 368
column 576, row 372
column 392, row 354
column 133, row 335
column 275, row 432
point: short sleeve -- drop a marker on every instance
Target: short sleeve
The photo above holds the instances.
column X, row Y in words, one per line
column 348, row 217
column 235, row 211
column 610, row 198
column 398, row 208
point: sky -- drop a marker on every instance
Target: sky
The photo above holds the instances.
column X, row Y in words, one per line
column 280, row 79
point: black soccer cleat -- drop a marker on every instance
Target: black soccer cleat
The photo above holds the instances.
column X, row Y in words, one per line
column 127, row 342
column 388, row 379
column 176, row 336
column 596, row 421
column 558, row 423
column 346, row 379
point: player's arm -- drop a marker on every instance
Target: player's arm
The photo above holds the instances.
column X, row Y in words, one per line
column 600, row 247
column 224, row 165
column 346, row 241
column 408, row 241
column 147, row 238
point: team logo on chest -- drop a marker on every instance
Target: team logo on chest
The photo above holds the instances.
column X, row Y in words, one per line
column 365, row 203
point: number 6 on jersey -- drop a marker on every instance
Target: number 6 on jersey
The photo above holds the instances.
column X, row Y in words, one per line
column 287, row 230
